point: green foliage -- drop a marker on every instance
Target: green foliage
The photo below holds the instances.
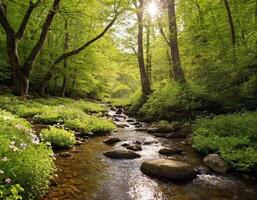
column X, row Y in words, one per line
column 24, row 162
column 58, row 137
column 164, row 125
column 232, row 136
column 11, row 192
column 90, row 124
column 172, row 97
column 132, row 99
column 58, row 114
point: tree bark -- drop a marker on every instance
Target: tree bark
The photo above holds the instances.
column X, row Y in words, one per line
column 21, row 73
column 145, row 83
column 173, row 41
column 148, row 51
column 49, row 75
column 231, row 23
column 65, row 62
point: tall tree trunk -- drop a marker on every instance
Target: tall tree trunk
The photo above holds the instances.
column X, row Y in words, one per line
column 21, row 82
column 21, row 73
column 231, row 23
column 240, row 27
column 173, row 41
column 145, row 83
column 44, row 82
column 148, row 51
column 65, row 64
column 55, row 86
column 73, row 83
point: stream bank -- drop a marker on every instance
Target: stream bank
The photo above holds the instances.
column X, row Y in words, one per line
column 88, row 175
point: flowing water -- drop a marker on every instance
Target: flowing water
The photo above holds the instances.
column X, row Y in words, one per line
column 88, row 175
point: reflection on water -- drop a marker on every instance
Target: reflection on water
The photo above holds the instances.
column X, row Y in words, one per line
column 88, row 175
column 142, row 188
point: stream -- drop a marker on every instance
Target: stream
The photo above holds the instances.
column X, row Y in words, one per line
column 89, row 175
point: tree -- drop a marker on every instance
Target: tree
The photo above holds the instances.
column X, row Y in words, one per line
column 66, row 47
column 145, row 82
column 231, row 23
column 148, row 50
column 49, row 75
column 173, row 43
column 21, row 72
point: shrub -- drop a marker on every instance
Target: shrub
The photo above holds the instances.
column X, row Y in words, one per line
column 90, row 124
column 58, row 137
column 172, row 97
column 24, row 161
column 232, row 136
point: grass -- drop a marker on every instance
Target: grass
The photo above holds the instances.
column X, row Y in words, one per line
column 90, row 124
column 58, row 137
column 233, row 136
column 34, row 107
column 74, row 114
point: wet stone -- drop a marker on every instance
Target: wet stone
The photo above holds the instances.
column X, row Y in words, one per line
column 112, row 141
column 122, row 154
column 135, row 147
column 65, row 155
column 169, row 151
column 125, row 144
column 78, row 142
column 216, row 163
column 168, row 169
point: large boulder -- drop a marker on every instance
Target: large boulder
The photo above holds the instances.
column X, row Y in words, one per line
column 112, row 140
column 121, row 154
column 169, row 151
column 215, row 162
column 168, row 169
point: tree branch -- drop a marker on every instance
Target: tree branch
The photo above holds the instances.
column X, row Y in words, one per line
column 163, row 34
column 25, row 19
column 4, row 21
column 85, row 45
column 30, row 61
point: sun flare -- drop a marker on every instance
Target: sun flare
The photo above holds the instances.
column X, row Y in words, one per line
column 152, row 9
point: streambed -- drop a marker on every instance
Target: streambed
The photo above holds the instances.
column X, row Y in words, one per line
column 89, row 175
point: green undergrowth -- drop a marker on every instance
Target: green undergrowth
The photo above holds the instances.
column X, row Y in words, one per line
column 233, row 136
column 26, row 166
column 73, row 114
column 59, row 138
column 90, row 125
column 126, row 101
column 34, row 107
column 170, row 98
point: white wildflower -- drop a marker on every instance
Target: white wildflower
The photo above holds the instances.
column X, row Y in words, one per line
column 5, row 159
column 23, row 146
column 8, row 181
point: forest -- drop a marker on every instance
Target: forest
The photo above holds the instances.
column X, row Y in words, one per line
column 128, row 99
